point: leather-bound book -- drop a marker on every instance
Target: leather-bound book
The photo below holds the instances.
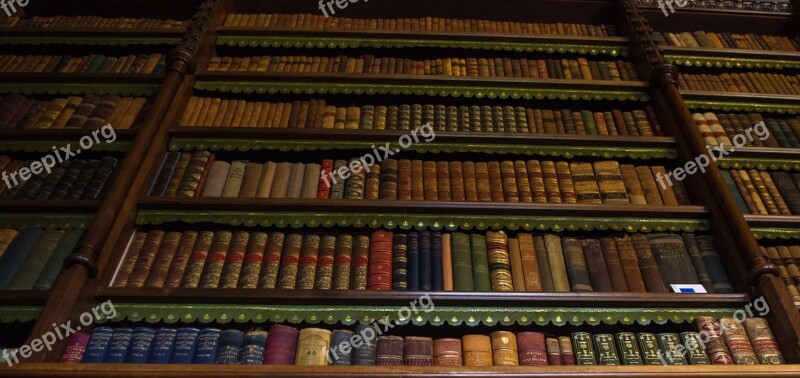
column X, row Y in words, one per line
column 389, row 179
column 364, row 354
column 337, row 182
column 499, row 261
column 651, row 271
column 343, row 261
column 418, row 181
column 715, row 345
column 509, row 181
column 610, row 183
column 177, row 175
column 194, row 171
column 373, row 183
column 311, row 176
column 696, row 352
column 576, row 265
column 649, row 186
column 144, row 261
column 181, row 259
column 312, row 347
column 280, row 182
column 787, row 189
column 380, row 261
column 215, row 261
column 324, row 271
column 651, row 352
column 296, row 175
column 586, row 188
column 447, row 262
column 738, row 342
column 555, row 257
column 529, row 264
column 523, row 182
column 417, row 351
column 504, row 348
column 34, row 260
column 764, row 344
column 337, row 354
column 324, row 181
column 532, row 349
column 496, row 181
column 536, row 179
column 400, row 262
column 76, row 347
column 713, row 264
column 462, row 262
column 253, row 258
column 700, row 269
column 544, row 264
column 254, row 346
column 566, row 185
column 231, row 342
column 425, row 264
column 628, row 348
column 164, row 173
column 413, row 265
column 163, row 260
column 437, row 261
column 55, row 263
column 553, row 351
column 480, row 263
column 282, row 345
column 389, row 351
column 477, row 350
column 606, row 349
column 443, row 181
column 447, row 352
column 673, row 259
column 669, row 344
column 630, row 264
column 270, row 267
column 404, row 179
column 584, row 349
column 596, row 265
column 482, row 182
column 430, row 181
column 307, row 270
column 667, row 194
column 470, row 181
column 360, row 263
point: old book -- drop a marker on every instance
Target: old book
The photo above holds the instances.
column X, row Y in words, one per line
column 536, row 179
column 56, row 262
column 462, row 263
column 696, row 352
column 144, row 261
column 252, row 259
column 417, row 180
column 360, row 263
column 630, row 264
column 652, row 271
column 163, row 260
column 544, row 264
column 480, row 263
column 496, row 181
column 447, row 262
column 181, row 259
column 567, row 351
column 477, row 350
column 504, row 348
column 596, row 265
column 499, row 261
column 651, row 352
column 280, row 182
column 190, row 182
column 610, row 182
column 586, row 189
column 529, row 263
column 667, row 194
column 715, row 345
column 532, row 349
column 295, row 188
column 736, row 338
column 270, row 266
column 282, row 343
column 290, row 260
column 177, row 175
column 576, row 265
column 583, row 348
column 307, row 268
column 231, row 342
column 606, row 349
column 553, row 351
column 566, row 184
column 380, row 261
column 673, row 259
column 425, row 262
column 215, row 261
column 764, row 344
column 447, row 352
column 787, row 189
column 389, row 179
column 555, row 257
column 312, row 347
column 649, row 186
column 417, row 351
column 217, row 178
column 509, row 181
column 389, row 351
column 437, row 263
column 628, row 348
column 30, row 269
column 669, row 343
column 400, row 266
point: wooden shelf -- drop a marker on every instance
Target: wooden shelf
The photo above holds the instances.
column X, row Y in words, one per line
column 247, row 139
column 57, row 206
column 23, row 297
column 18, row 216
column 277, row 37
column 83, row 36
column 750, row 102
column 650, row 11
column 79, row 83
column 456, row 86
column 732, row 58
column 774, row 226
column 421, row 214
column 762, row 158
column 42, row 140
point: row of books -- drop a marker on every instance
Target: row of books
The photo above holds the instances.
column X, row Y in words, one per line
column 745, row 82
column 724, row 128
column 199, row 174
column 75, row 112
column 727, row 342
column 729, row 41
column 431, row 24
column 786, row 258
column 427, row 261
column 152, row 64
column 91, row 22
column 783, row 6
column 764, row 193
column 571, row 69
column 71, row 179
column 217, row 112
column 32, row 258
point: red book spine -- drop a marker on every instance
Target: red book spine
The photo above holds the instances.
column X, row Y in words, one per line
column 380, row 261
column 75, row 348
column 619, row 120
column 651, row 114
column 532, row 350
column 325, row 182
column 204, row 177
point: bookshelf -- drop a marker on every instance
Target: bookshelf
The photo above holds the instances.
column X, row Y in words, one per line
column 128, row 207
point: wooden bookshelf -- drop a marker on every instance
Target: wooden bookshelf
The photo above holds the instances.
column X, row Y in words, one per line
column 749, row 102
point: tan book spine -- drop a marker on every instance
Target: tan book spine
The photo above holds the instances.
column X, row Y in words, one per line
column 517, row 273
column 667, row 194
column 482, row 182
column 649, row 186
column 551, row 182
column 632, row 184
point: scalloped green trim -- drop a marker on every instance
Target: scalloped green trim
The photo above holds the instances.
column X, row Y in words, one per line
column 454, row 316
column 10, row 314
column 193, row 144
column 775, row 233
column 760, row 164
column 738, row 62
column 321, row 87
column 45, row 220
column 94, row 40
column 422, row 221
column 80, row 88
column 743, row 106
column 600, row 47
column 47, row 145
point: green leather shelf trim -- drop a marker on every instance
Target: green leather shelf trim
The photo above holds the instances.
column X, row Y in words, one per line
column 80, row 88
column 47, row 145
column 612, row 48
column 471, row 316
column 422, row 221
column 46, row 221
column 193, row 144
column 10, row 314
column 738, row 62
column 775, row 233
column 93, row 40
column 743, row 106
column 760, row 164
column 322, row 87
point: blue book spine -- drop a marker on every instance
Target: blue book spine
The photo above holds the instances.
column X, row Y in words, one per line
column 413, row 260
column 437, row 262
column 98, row 346
column 425, row 262
column 163, row 341
column 207, row 344
column 230, row 346
column 141, row 342
column 120, row 342
column 16, row 253
column 254, row 345
column 185, row 343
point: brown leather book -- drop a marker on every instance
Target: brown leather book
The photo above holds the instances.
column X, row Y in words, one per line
column 576, row 265
column 517, row 273
column 566, row 184
column 499, row 261
column 215, row 261
column 470, row 183
column 523, row 183
column 457, row 181
column 234, row 260
column 736, row 338
column 596, row 265
column 404, row 179
column 197, row 260
column 551, row 182
column 544, row 264
column 253, row 258
column 532, row 349
column 510, row 191
column 447, row 352
column 181, row 259
column 744, row 193
column 389, row 351
column 667, row 194
column 430, row 180
column 128, row 263
column 482, row 182
column 610, row 182
column 764, row 343
column 307, row 269
column 715, row 345
column 774, row 193
column 752, row 192
column 647, row 264
column 530, row 265
column 289, row 262
column 673, row 259
column 558, row 268
column 697, row 260
column 163, row 260
column 630, row 264
column 147, row 256
column 343, row 261
column 496, row 181
column 477, row 350
column 417, row 181
column 504, row 348
column 268, row 279
column 553, row 351
column 649, row 186
column 443, row 181
column 417, row 351
column 586, row 188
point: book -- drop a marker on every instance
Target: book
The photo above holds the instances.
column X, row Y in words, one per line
column 254, row 346
column 462, row 262
column 118, row 347
column 290, row 261
column 628, row 348
column 400, row 262
column 417, row 351
column 529, row 263
column 517, row 274
column 215, row 260
column 281, row 347
column 696, row 353
column 669, row 344
column 447, row 262
column 76, row 346
column 360, row 264
column 673, row 259
column 499, row 261
column 365, row 353
column 715, row 344
column 596, row 265
column 763, row 341
column 389, row 351
column 576, row 265
column 98, row 345
column 610, row 182
column 544, row 264
column 583, row 348
column 711, row 259
column 184, row 346
column 28, row 272
column 504, row 348
column 16, row 253
column 140, row 345
column 532, row 349
column 553, row 351
column 630, row 264
column 558, row 269
column 736, row 338
column 480, row 263
column 208, row 341
column 606, row 349
column 651, row 352
column 380, row 261
column 341, row 353
column 162, row 346
column 312, row 347
column 477, row 350
column 651, row 270
column 437, row 261
column 586, row 188
column 447, row 352
column 307, row 268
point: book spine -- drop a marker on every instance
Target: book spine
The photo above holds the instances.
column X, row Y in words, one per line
column 389, row 351
column 480, row 263
column 553, row 351
column 447, row 352
column 270, row 267
column 504, row 348
column 215, row 261
column 76, row 346
column 651, row 352
column 380, row 261
column 477, row 350
column 532, row 349
column 715, row 345
column 290, row 261
column 162, row 346
column 207, row 345
column 98, row 345
column 312, row 347
column 606, row 349
column 281, row 346
column 576, row 265
column 327, row 251
column 584, row 351
column 365, row 353
column 309, row 255
column 185, row 344
column 139, row 349
column 696, row 352
column 417, row 351
column 736, row 338
column 669, row 344
column 400, row 262
column 628, row 348
column 763, row 341
column 341, row 356
column 251, row 261
column 252, row 352
column 360, row 265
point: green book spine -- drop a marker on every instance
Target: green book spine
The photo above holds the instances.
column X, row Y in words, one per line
column 588, row 122
column 558, row 268
column 576, row 266
column 480, row 263
column 669, row 344
column 462, row 263
column 584, row 352
column 651, row 353
column 544, row 264
column 56, row 262
column 606, row 350
column 696, row 351
column 737, row 195
column 628, row 348
column 37, row 258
